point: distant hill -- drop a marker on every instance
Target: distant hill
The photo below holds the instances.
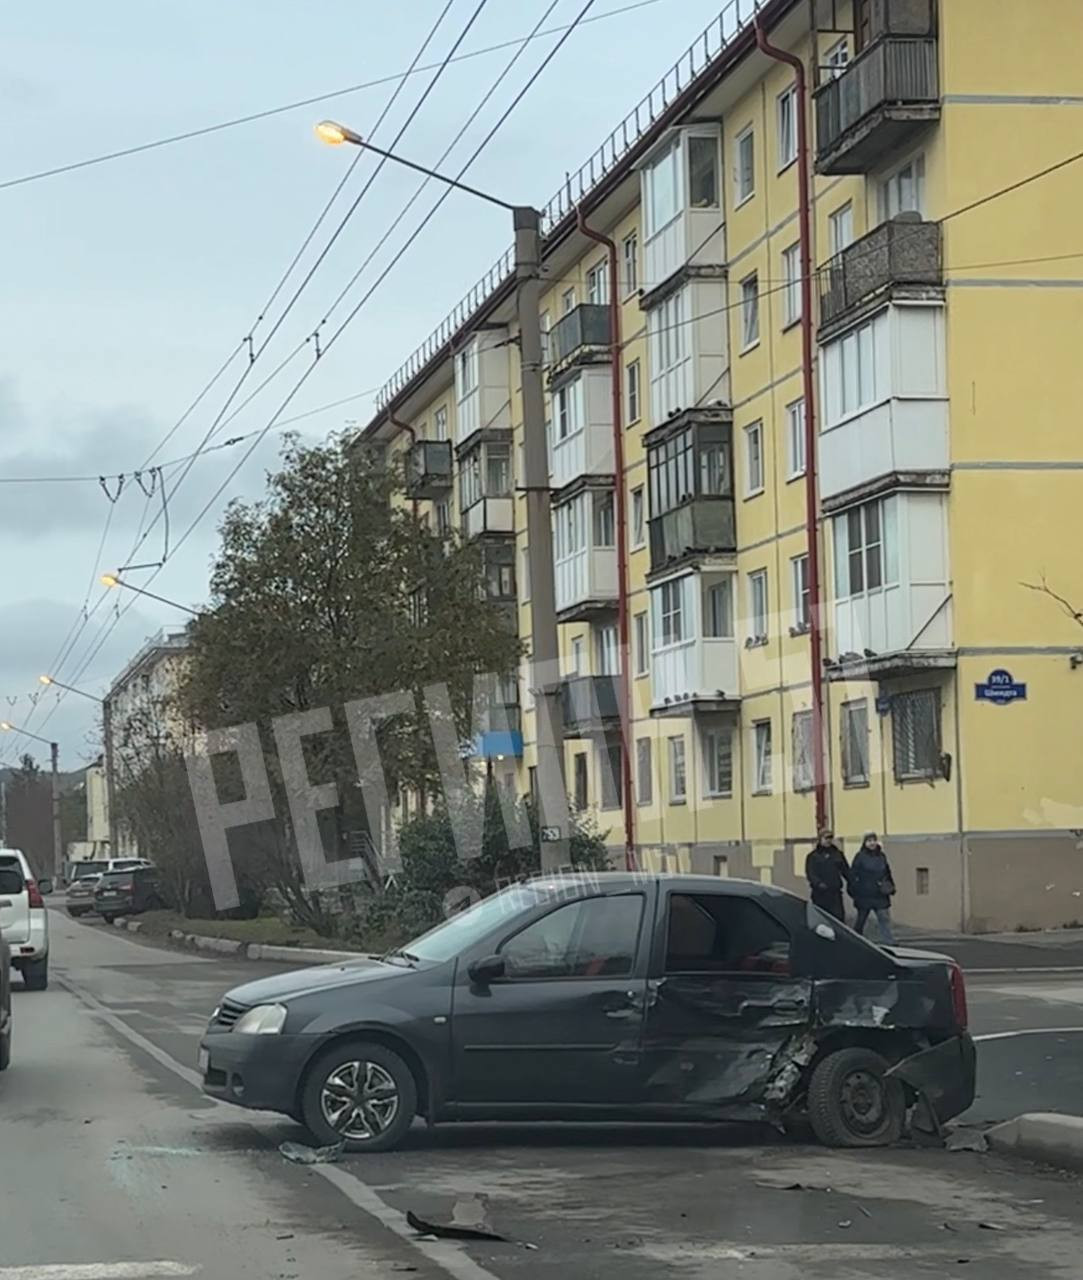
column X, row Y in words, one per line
column 68, row 781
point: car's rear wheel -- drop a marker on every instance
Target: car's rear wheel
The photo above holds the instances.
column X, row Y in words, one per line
column 851, row 1102
column 76, row 912
column 36, row 974
column 108, row 917
column 361, row 1094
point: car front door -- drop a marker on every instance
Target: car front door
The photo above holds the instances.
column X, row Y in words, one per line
column 722, row 1001
column 563, row 1022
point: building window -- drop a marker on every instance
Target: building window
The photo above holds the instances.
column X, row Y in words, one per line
column 567, row 301
column 745, row 177
column 702, row 172
column 842, row 228
column 631, row 376
column 567, row 405
column 757, row 604
column 499, row 569
column 915, row 721
column 803, row 748
column 497, row 470
column 598, row 283
column 718, row 609
column 577, row 655
column 750, row 310
column 850, row 372
column 677, row 776
column 795, row 439
column 442, row 516
column 922, row 882
column 606, row 650
column 582, row 793
column 802, row 610
column 904, row 190
column 791, row 274
column 663, row 189
column 630, row 258
column 667, row 327
column 639, row 524
column 643, row 645
column 721, row 865
column 611, row 771
column 470, row 490
column 836, row 59
column 866, row 544
column 524, row 576
column 439, row 423
column 855, row 743
column 754, row 458
column 671, row 612
column 718, row 761
column 787, row 127
column 604, row 520
column 544, row 323
column 466, row 371
column 644, row 772
column 761, row 736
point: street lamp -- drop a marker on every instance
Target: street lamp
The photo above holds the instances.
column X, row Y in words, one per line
column 545, row 652
column 54, row 757
column 112, row 580
column 107, row 734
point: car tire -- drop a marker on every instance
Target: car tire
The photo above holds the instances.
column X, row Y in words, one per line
column 36, row 974
column 108, row 918
column 851, row 1102
column 343, row 1069
column 75, row 914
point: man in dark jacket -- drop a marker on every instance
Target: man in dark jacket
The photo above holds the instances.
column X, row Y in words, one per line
column 826, row 871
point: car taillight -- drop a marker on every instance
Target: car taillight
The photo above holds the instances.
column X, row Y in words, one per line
column 958, row 997
column 33, row 893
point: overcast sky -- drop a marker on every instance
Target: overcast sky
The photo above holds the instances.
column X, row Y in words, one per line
column 127, row 284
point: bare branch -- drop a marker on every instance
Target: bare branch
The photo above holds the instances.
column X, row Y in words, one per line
column 1043, row 588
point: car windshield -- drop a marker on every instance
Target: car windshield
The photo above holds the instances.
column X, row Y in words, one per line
column 87, row 870
column 463, row 930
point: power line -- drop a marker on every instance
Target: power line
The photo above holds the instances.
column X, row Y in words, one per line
column 294, row 106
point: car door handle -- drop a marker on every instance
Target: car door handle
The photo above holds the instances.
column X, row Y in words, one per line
column 618, row 1006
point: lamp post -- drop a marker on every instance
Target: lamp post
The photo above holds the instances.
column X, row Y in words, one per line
column 545, row 652
column 113, row 580
column 54, row 757
column 107, row 735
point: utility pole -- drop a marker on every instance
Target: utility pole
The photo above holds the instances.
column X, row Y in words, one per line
column 544, row 645
column 58, row 835
column 110, row 798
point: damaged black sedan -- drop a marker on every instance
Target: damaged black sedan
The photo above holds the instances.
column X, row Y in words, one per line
column 611, row 996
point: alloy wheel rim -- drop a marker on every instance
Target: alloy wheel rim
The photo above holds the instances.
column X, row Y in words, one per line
column 359, row 1100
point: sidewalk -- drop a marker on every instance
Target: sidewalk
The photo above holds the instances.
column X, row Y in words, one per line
column 1050, row 949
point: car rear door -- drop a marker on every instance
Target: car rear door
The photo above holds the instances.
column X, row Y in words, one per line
column 563, row 1025
column 14, row 903
column 722, row 1000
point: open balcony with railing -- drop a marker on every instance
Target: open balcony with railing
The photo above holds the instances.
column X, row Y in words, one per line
column 591, row 705
column 899, row 255
column 428, row 469
column 889, row 92
column 580, row 337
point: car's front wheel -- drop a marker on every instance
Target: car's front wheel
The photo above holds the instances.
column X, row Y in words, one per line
column 852, row 1103
column 361, row 1094
column 36, row 974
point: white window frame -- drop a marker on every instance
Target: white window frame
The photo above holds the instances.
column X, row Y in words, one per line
column 678, row 769
column 466, row 372
column 796, row 460
column 714, row 738
column 606, row 650
column 643, row 643
column 440, row 423
column 750, row 311
column 659, row 215
column 758, row 617
column 639, row 516
column 722, row 627
column 802, row 596
column 803, row 748
column 567, row 301
column 598, row 283
column 791, row 293
column 633, row 388
column 744, row 176
column 889, row 200
column 576, row 656
column 630, row 261
column 854, row 733
column 786, row 116
column 841, row 224
column 877, row 544
column 754, row 460
column 837, row 59
column 671, row 614
column 762, row 752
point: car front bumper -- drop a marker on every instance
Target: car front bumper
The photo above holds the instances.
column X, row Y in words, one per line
column 945, row 1076
column 262, row 1073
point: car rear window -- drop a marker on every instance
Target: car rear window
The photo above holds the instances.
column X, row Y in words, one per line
column 11, row 881
column 116, row 877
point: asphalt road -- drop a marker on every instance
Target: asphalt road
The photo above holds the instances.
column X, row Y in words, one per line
column 116, row 1167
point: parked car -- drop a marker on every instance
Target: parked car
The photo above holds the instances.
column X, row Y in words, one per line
column 607, row 996
column 24, row 921
column 10, row 883
column 127, row 893
column 81, row 894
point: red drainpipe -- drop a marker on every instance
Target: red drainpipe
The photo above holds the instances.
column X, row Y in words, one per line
column 405, row 426
column 622, row 542
column 815, row 606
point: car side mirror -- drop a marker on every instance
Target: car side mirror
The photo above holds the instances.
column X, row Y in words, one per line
column 488, row 970
column 45, row 887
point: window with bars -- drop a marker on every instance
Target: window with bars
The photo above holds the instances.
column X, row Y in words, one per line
column 915, row 722
column 855, row 743
column 803, row 748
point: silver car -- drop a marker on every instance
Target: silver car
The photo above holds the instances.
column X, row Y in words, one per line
column 81, row 894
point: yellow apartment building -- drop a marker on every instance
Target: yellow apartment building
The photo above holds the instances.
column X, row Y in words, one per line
column 947, row 313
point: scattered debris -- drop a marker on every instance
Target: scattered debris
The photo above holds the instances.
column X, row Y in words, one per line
column 299, row 1154
column 967, row 1140
column 947, row 1226
column 861, row 1209
column 846, row 1224
column 468, row 1222
column 990, row 1226
column 284, row 1235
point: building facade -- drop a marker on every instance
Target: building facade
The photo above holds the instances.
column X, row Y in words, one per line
column 949, row 491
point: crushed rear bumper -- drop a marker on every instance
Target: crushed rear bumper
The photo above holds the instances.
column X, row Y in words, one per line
column 945, row 1076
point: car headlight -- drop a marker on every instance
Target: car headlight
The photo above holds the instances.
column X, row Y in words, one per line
column 263, row 1020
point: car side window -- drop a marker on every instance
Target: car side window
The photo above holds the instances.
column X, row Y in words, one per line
column 724, row 933
column 591, row 938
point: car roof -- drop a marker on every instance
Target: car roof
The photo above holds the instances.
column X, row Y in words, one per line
column 622, row 881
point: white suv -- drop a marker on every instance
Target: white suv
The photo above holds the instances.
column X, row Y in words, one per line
column 24, row 921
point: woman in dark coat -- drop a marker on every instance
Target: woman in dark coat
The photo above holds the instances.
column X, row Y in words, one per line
column 871, row 886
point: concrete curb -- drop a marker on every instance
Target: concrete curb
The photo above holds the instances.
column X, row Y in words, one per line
column 1044, row 1137
column 302, row 955
column 253, row 950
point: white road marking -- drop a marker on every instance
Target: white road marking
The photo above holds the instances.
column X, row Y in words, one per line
column 450, row 1258
column 98, row 1271
column 1027, row 1031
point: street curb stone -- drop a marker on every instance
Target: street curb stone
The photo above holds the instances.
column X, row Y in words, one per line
column 1045, row 1137
column 300, row 955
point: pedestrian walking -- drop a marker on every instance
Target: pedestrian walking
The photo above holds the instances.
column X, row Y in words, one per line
column 826, row 871
column 872, row 886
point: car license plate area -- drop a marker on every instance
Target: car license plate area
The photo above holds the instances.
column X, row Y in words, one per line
column 204, row 1061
